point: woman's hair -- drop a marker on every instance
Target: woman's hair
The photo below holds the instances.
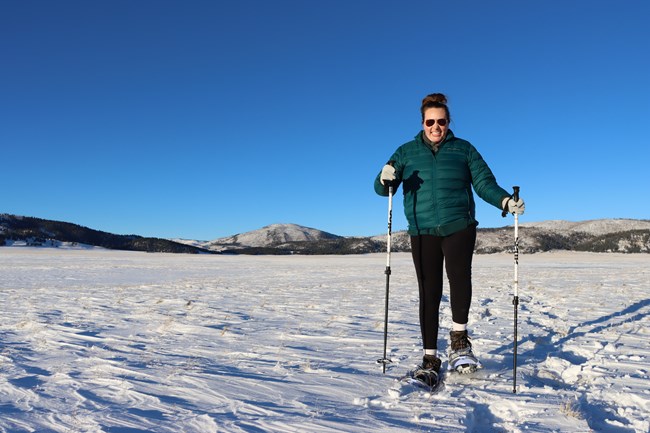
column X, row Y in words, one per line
column 435, row 100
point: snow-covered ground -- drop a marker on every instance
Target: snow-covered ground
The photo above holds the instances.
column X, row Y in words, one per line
column 106, row 341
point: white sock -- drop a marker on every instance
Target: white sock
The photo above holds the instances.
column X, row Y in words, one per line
column 433, row 352
column 458, row 326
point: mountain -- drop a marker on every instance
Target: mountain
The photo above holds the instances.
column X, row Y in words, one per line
column 594, row 227
column 40, row 232
column 277, row 239
column 275, row 235
column 604, row 235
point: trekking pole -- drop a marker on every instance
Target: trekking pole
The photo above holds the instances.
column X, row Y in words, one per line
column 385, row 360
column 515, row 299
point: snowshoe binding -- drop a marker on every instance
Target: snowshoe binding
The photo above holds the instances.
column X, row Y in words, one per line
column 461, row 358
column 428, row 374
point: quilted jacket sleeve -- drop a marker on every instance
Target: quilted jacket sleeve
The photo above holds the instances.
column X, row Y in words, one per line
column 483, row 180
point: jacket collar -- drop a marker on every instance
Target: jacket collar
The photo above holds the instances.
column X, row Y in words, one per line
column 420, row 138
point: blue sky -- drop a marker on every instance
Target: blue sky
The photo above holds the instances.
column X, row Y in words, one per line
column 203, row 119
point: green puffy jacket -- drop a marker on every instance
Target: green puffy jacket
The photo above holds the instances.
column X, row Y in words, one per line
column 437, row 186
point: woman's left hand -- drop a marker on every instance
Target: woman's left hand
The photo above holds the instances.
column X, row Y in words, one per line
column 514, row 207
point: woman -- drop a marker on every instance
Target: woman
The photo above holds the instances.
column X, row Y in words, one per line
column 437, row 172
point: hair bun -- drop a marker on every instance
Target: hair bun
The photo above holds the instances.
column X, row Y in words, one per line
column 438, row 98
column 435, row 100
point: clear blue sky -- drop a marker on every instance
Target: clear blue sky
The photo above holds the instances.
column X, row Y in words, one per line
column 203, row 119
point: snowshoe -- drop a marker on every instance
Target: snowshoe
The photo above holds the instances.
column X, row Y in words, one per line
column 461, row 358
column 429, row 378
column 428, row 374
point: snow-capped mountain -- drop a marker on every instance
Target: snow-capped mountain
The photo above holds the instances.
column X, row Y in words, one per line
column 603, row 235
column 273, row 235
column 594, row 227
column 606, row 235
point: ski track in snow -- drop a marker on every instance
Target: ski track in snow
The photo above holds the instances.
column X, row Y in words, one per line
column 108, row 341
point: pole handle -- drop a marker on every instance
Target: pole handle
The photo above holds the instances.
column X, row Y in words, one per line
column 514, row 196
column 392, row 183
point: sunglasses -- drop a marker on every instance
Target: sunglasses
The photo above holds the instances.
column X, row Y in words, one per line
column 431, row 122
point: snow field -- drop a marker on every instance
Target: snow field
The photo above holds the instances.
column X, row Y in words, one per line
column 108, row 341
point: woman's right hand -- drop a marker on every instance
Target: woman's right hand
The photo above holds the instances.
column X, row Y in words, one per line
column 387, row 174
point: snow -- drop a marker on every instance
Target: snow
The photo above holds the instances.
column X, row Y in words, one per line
column 114, row 341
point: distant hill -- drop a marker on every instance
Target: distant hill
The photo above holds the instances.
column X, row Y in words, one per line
column 605, row 235
column 18, row 230
column 282, row 239
column 274, row 235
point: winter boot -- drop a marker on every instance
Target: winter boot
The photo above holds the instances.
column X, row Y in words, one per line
column 461, row 357
column 429, row 371
column 431, row 362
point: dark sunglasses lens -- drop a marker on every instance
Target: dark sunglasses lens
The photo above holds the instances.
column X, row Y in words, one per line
column 431, row 122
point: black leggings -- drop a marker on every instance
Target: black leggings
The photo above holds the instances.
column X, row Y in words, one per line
column 429, row 252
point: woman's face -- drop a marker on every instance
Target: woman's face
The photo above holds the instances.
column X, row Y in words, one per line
column 434, row 130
